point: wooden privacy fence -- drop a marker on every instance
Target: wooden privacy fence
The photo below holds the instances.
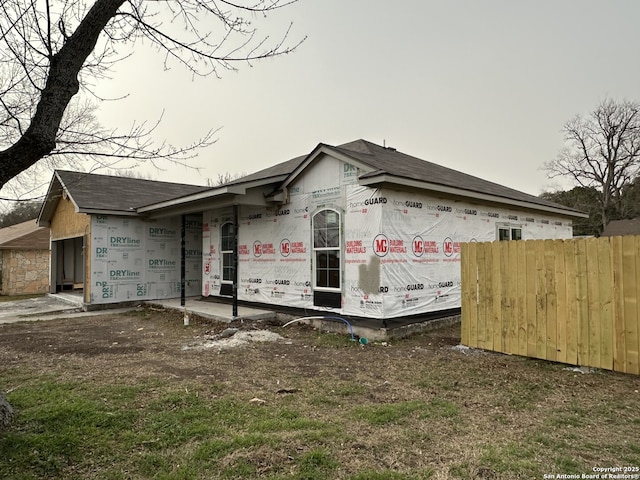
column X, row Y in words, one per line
column 572, row 301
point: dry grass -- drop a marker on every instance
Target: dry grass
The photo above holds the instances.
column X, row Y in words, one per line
column 132, row 403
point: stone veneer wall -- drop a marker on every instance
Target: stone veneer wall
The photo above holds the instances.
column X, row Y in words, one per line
column 25, row 272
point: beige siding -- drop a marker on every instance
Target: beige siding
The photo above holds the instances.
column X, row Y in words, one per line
column 67, row 223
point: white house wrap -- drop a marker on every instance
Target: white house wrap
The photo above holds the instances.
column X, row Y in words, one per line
column 399, row 251
column 358, row 229
column 134, row 259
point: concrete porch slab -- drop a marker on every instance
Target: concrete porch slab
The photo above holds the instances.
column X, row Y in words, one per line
column 215, row 311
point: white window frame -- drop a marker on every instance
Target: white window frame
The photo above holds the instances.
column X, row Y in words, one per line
column 511, row 227
column 225, row 252
column 316, row 250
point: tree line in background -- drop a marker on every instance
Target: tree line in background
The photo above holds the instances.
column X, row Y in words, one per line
column 21, row 212
column 602, row 158
column 587, row 199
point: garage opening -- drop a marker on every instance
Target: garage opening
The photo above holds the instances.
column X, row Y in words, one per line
column 67, row 266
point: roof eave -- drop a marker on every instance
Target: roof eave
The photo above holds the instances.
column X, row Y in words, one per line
column 99, row 211
column 385, row 178
column 51, row 199
column 220, row 193
column 208, row 194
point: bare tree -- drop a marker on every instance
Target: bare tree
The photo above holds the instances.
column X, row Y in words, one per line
column 52, row 49
column 224, row 178
column 603, row 151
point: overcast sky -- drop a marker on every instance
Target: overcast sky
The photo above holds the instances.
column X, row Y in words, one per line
column 483, row 87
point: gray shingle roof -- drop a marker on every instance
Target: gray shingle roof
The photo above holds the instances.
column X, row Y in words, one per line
column 391, row 162
column 284, row 168
column 122, row 194
column 388, row 161
column 108, row 193
column 630, row 226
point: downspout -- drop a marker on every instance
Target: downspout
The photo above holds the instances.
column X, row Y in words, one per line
column 182, row 260
column 235, row 261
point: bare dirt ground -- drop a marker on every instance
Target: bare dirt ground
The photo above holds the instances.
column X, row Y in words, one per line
column 156, row 343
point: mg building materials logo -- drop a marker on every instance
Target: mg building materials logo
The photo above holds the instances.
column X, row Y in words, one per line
column 354, row 247
column 287, row 247
column 419, row 246
column 260, row 249
column 450, row 247
column 383, row 245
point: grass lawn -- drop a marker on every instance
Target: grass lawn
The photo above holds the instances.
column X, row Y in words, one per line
column 138, row 396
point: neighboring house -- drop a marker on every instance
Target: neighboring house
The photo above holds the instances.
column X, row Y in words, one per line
column 629, row 226
column 24, row 259
column 358, row 230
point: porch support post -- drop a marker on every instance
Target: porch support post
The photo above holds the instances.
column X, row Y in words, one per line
column 182, row 260
column 235, row 261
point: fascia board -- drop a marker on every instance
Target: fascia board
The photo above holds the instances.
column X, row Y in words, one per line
column 406, row 182
column 64, row 187
column 235, row 189
column 51, row 199
column 120, row 213
column 218, row 192
column 195, row 207
column 261, row 182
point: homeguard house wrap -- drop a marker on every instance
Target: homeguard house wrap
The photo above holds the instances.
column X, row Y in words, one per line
column 358, row 230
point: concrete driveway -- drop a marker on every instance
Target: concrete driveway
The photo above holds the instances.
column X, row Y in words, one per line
column 49, row 307
column 34, row 309
column 60, row 305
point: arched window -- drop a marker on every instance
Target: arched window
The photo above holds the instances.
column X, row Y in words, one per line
column 326, row 248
